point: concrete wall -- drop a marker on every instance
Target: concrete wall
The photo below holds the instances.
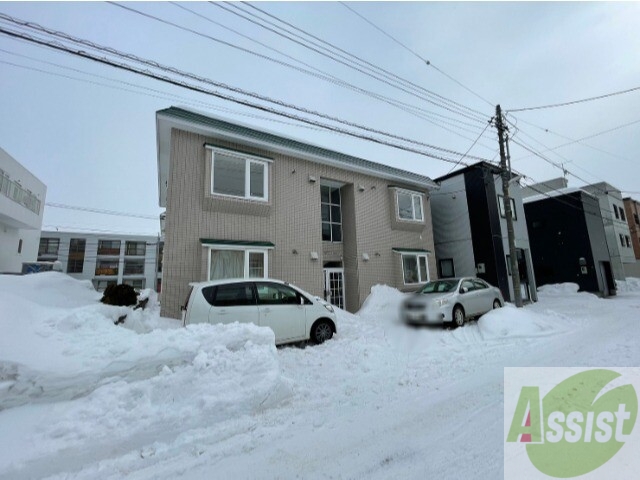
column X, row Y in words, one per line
column 451, row 226
column 19, row 225
column 291, row 219
column 608, row 196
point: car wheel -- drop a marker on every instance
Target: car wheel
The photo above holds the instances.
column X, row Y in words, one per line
column 496, row 304
column 321, row 331
column 458, row 316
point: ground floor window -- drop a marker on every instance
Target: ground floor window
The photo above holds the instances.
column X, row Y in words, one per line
column 446, row 268
column 228, row 263
column 101, row 285
column 137, row 283
column 414, row 268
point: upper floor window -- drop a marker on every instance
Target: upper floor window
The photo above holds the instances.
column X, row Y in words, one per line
column 330, row 204
column 409, row 205
column 135, row 248
column 636, row 218
column 236, row 175
column 622, row 215
column 615, row 210
column 49, row 246
column 108, row 247
column 501, row 207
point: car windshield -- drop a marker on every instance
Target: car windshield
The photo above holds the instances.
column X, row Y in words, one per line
column 440, row 286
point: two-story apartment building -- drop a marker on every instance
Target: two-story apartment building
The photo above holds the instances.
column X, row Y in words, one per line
column 242, row 202
column 105, row 259
column 470, row 229
column 22, row 198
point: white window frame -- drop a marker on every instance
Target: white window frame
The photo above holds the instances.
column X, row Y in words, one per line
column 247, row 251
column 418, row 256
column 249, row 160
column 412, row 194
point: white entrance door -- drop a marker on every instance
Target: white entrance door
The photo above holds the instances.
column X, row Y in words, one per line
column 334, row 286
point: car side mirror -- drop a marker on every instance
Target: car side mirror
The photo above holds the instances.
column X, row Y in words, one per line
column 464, row 289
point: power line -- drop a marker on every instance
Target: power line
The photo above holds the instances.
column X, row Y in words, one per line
column 348, row 62
column 593, row 135
column 472, row 145
column 412, row 109
column 359, row 59
column 148, row 74
column 104, row 212
column 426, row 62
column 566, row 171
column 554, row 105
column 547, row 130
column 407, row 108
column 161, row 94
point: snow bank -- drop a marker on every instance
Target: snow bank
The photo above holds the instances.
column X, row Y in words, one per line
column 559, row 289
column 382, row 303
column 52, row 353
column 512, row 322
column 133, row 384
column 631, row 284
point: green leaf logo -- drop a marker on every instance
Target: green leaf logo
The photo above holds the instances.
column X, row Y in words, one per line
column 580, row 432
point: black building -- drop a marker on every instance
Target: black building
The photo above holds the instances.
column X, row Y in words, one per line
column 568, row 242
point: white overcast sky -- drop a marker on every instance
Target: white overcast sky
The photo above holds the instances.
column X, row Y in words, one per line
column 91, row 138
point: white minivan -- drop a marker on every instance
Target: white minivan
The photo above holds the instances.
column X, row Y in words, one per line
column 291, row 313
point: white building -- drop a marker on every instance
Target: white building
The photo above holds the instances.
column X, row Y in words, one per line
column 22, row 198
column 106, row 259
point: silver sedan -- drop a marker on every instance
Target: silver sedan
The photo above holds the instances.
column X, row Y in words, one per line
column 451, row 300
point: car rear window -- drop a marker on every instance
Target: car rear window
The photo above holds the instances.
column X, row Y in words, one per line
column 209, row 294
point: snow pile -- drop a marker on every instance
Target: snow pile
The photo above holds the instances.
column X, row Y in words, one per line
column 512, row 322
column 559, row 289
column 631, row 284
column 382, row 304
column 112, row 384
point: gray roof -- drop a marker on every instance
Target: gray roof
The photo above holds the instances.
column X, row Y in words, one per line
column 191, row 120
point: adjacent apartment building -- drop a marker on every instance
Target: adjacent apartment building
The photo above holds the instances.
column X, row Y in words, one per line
column 568, row 239
column 243, row 202
column 616, row 227
column 106, row 259
column 470, row 229
column 22, row 198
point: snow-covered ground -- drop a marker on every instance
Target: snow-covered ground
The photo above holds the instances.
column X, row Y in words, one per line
column 83, row 398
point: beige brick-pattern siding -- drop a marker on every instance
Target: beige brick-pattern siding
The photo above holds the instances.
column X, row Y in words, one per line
column 291, row 220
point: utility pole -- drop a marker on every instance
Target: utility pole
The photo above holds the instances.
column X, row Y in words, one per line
column 506, row 177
